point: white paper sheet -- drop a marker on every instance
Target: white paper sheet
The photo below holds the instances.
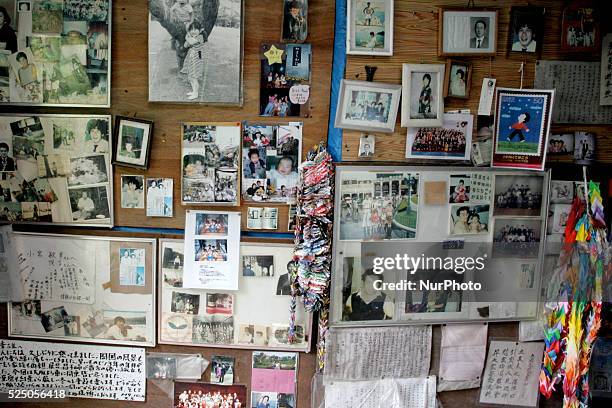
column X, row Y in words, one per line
column 486, row 96
column 84, row 371
column 212, row 250
column 462, row 356
column 378, row 352
column 385, row 393
column 512, row 374
column 532, row 330
column 10, row 287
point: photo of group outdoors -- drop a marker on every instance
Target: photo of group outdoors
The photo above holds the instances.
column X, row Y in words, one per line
column 516, row 237
column 56, row 54
column 222, row 370
column 284, row 80
column 518, row 195
column 270, row 159
column 370, row 27
column 378, row 206
column 210, row 154
column 451, row 141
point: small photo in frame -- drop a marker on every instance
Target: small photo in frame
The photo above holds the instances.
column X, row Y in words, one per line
column 467, row 32
column 458, row 79
column 369, row 27
column 132, row 142
column 423, row 101
column 367, row 146
column 525, row 33
column 580, row 29
column 368, row 106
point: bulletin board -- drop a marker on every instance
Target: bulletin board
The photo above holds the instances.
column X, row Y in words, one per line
column 86, row 289
column 412, row 209
column 254, row 317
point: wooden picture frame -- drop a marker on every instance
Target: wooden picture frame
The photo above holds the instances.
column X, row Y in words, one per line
column 430, row 99
column 577, row 15
column 463, row 32
column 526, row 31
column 451, row 89
column 369, row 22
column 132, row 138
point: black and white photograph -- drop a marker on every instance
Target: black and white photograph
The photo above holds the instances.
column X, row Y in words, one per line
column 423, row 94
column 7, row 163
column 470, row 31
column 53, row 319
column 195, row 51
column 132, row 192
column 561, row 192
column 28, row 138
column 514, row 237
column 213, row 329
column 132, row 139
column 367, row 106
column 283, row 284
column 72, row 326
column 460, row 185
column 518, row 195
column 53, row 165
column 584, row 148
column 295, row 21
column 525, row 34
column 173, row 259
column 89, row 203
column 560, row 215
column 210, row 250
column 367, row 146
column 253, row 334
column 44, row 190
column 222, row 370
column 86, row 170
column 211, row 224
column 24, row 6
column 434, row 301
column 257, row 265
column 159, row 197
column 469, row 219
column 161, row 367
column 195, row 135
column 369, row 27
column 561, row 144
column 365, row 302
column 458, row 79
column 28, row 309
column 36, row 212
column 262, row 218
column 185, row 303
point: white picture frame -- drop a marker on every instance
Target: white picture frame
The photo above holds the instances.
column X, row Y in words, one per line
column 359, row 117
column 413, row 114
column 470, row 31
column 358, row 30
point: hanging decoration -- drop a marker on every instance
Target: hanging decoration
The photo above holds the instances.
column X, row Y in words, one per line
column 311, row 274
column 574, row 317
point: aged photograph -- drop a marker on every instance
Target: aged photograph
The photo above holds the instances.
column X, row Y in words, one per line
column 52, row 165
column 85, row 170
column 213, row 329
column 469, row 31
column 132, row 192
column 561, row 192
column 161, row 367
column 369, row 27
column 367, row 146
column 210, row 250
column 173, row 259
column 159, row 197
column 295, row 21
column 561, row 144
column 185, row 303
column 434, row 301
column 526, row 31
column 132, row 140
column 211, row 224
column 469, row 219
column 458, row 79
column 518, row 195
column 584, row 147
column 365, row 302
column 252, row 334
column 89, row 203
column 459, row 188
column 514, row 237
column 219, row 303
column 423, row 94
column 132, row 266
column 258, row 265
column 580, row 28
column 222, row 370
column 53, row 319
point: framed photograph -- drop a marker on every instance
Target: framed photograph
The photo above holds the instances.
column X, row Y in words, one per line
column 526, row 31
column 368, row 106
column 580, row 28
column 471, row 31
column 369, row 27
column 561, row 144
column 66, row 60
column 295, row 21
column 451, row 141
column 133, row 138
column 423, row 89
column 195, row 52
column 458, row 79
column 522, row 126
column 367, row 146
column 210, row 162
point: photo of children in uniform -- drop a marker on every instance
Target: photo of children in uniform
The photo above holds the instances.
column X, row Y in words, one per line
column 561, row 192
column 434, row 301
column 423, row 103
column 584, row 148
column 211, row 224
column 173, row 259
column 122, row 325
column 253, row 334
column 89, row 203
column 213, row 329
column 459, row 188
column 197, row 394
column 258, row 265
column 521, row 124
column 53, row 319
column 222, row 370
column 561, row 144
column 161, row 367
column 28, row 138
column 514, row 237
column 365, row 301
column 86, row 170
column 277, row 78
column 185, row 303
column 378, row 206
column 295, row 20
column 72, row 326
column 450, row 141
column 525, row 28
column 131, row 267
column 132, row 192
column 469, row 219
column 518, row 195
column 210, row 250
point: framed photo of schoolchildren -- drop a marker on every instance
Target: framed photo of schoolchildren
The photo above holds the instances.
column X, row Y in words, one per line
column 56, row 53
column 132, row 138
column 526, row 30
column 471, row 31
column 581, row 28
column 368, row 106
column 423, row 89
column 369, row 27
column 458, row 79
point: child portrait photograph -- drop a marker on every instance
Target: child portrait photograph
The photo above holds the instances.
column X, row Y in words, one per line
column 295, row 21
column 132, row 192
column 132, row 142
column 369, row 27
column 459, row 188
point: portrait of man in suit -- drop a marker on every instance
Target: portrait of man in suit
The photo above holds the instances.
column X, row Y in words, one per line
column 6, row 163
column 480, row 37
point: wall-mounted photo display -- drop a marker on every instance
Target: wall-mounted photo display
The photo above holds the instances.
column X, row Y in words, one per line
column 100, row 290
column 470, row 31
column 423, row 89
column 210, row 160
column 580, row 29
column 56, row 53
column 132, row 139
column 369, row 27
column 451, row 141
column 187, row 394
column 218, row 318
column 295, row 21
column 368, row 106
column 60, row 165
column 522, row 126
column 526, row 31
column 195, row 52
column 458, row 79
column 271, row 156
column 132, row 191
column 160, row 197
column 285, row 80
